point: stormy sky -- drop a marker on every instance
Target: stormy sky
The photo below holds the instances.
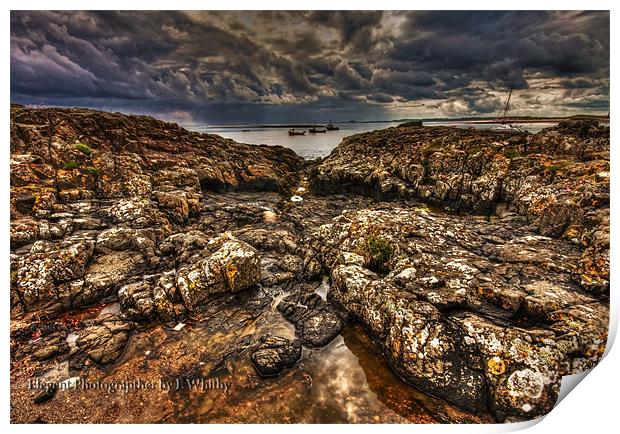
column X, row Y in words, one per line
column 240, row 67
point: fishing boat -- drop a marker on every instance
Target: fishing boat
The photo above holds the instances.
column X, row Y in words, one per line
column 294, row 132
column 314, row 129
column 332, row 127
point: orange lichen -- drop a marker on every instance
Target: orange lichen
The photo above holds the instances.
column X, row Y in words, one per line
column 496, row 366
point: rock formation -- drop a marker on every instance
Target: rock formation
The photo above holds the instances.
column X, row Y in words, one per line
column 557, row 180
column 478, row 261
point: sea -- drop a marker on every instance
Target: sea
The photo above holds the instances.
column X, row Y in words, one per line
column 319, row 145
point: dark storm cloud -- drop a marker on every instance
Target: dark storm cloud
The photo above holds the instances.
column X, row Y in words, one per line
column 355, row 27
column 285, row 66
column 500, row 46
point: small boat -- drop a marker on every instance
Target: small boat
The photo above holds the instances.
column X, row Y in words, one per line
column 332, row 127
column 245, row 131
column 314, row 129
column 502, row 118
column 502, row 127
column 293, row 132
column 507, row 127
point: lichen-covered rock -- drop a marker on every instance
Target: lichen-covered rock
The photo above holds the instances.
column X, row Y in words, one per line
column 135, row 213
column 155, row 296
column 235, row 266
column 135, row 154
column 237, row 262
column 487, row 312
column 119, row 239
column 422, row 347
column 522, row 368
column 274, row 354
column 481, row 314
column 558, row 179
column 320, row 328
column 106, row 274
column 136, row 300
column 36, row 275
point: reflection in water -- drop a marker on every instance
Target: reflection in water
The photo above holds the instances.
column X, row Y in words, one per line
column 395, row 394
column 346, row 381
column 308, row 146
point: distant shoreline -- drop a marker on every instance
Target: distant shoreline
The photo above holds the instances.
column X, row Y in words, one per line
column 512, row 120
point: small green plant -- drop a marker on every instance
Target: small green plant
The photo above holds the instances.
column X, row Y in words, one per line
column 511, row 153
column 92, row 170
column 376, row 251
column 71, row 164
column 84, row 149
column 558, row 166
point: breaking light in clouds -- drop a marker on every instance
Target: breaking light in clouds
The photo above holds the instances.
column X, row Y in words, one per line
column 276, row 66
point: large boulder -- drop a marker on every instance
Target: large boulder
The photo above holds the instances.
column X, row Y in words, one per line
column 235, row 266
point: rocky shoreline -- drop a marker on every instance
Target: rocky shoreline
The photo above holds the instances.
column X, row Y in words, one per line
column 476, row 261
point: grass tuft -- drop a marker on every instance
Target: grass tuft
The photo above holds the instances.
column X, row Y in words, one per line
column 71, row 164
column 84, row 149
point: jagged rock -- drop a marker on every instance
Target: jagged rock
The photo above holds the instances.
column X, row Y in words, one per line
column 183, row 245
column 175, row 204
column 235, row 266
column 274, row 354
column 119, row 239
column 154, row 297
column 40, row 340
column 37, row 274
column 106, row 274
column 238, row 262
column 136, row 213
column 52, row 348
column 487, row 313
column 167, row 155
column 136, row 300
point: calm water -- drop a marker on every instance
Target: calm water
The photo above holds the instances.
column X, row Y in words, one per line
column 321, row 144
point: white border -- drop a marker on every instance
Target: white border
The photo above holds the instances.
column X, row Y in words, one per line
column 591, row 407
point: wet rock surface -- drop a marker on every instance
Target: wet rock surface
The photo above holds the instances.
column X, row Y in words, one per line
column 105, row 342
column 182, row 256
column 274, row 354
column 316, row 321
